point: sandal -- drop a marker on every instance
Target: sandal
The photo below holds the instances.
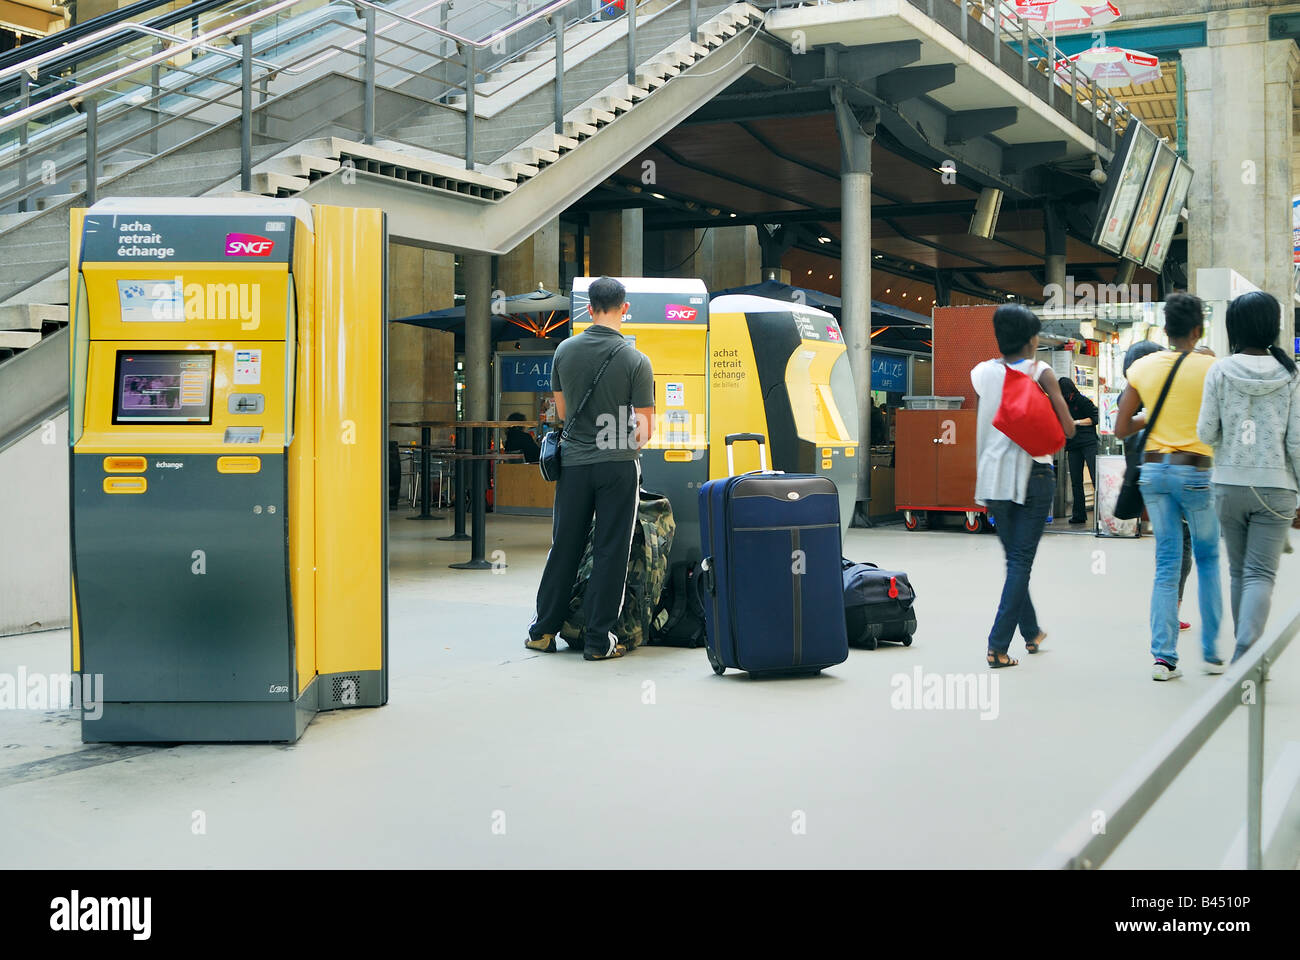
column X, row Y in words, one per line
column 999, row 660
column 1032, row 646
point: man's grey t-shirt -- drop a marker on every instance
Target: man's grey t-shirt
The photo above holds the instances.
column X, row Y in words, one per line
column 627, row 382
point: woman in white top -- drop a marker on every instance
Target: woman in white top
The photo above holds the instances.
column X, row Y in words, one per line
column 1016, row 488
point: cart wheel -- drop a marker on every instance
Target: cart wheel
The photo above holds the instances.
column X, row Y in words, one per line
column 911, row 520
column 718, row 667
column 974, row 522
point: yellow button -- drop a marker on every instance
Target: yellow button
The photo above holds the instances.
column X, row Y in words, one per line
column 826, row 451
column 850, row 452
column 125, row 484
column 826, row 464
column 239, row 464
column 124, row 464
column 677, row 456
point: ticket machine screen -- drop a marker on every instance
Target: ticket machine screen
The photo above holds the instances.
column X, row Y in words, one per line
column 155, row 386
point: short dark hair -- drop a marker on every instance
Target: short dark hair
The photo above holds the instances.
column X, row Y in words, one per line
column 606, row 294
column 1254, row 321
column 1142, row 348
column 1184, row 312
column 515, row 416
column 1014, row 325
column 1068, row 389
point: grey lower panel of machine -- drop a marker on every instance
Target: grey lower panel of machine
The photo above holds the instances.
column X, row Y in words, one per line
column 280, row 721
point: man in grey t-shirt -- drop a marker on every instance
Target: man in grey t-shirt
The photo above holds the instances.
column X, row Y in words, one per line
column 601, row 472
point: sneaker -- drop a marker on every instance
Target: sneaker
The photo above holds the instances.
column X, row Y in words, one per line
column 615, row 651
column 1214, row 666
column 1163, row 671
column 545, row 643
column 1183, row 625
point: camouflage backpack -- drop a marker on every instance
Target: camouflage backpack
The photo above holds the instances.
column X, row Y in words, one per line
column 647, row 570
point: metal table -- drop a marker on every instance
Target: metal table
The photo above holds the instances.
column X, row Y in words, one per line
column 471, row 449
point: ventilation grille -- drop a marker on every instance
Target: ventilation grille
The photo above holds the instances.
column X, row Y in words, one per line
column 345, row 690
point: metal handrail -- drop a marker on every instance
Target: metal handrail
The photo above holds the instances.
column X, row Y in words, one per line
column 1084, row 847
column 170, row 46
column 271, row 70
column 565, row 25
column 33, row 111
column 32, row 66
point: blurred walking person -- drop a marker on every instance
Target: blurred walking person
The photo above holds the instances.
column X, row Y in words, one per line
column 1250, row 415
column 1081, row 449
column 1016, row 487
column 1175, row 480
column 1133, row 454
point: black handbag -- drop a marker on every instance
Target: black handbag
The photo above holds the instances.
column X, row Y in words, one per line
column 548, row 459
column 1128, row 505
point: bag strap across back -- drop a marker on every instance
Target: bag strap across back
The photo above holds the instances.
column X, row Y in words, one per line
column 569, row 421
column 1164, row 393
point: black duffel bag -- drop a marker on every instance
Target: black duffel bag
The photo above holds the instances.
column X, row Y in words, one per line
column 679, row 618
column 878, row 605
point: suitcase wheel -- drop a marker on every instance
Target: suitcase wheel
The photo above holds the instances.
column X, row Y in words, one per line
column 906, row 641
column 718, row 666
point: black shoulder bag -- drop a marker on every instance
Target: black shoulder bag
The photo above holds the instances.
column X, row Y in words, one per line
column 1128, row 505
column 549, row 457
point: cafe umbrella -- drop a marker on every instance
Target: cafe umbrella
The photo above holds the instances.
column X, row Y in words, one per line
column 1112, row 67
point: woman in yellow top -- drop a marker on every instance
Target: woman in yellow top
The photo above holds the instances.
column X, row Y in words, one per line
column 1175, row 481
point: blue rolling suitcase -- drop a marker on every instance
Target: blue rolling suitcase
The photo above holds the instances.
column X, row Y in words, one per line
column 773, row 599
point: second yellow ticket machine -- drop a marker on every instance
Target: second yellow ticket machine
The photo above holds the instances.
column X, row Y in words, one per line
column 736, row 364
column 229, row 497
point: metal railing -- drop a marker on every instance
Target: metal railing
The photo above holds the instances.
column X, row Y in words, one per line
column 1084, row 847
column 197, row 79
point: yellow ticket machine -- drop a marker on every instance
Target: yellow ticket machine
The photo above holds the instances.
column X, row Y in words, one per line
column 228, row 487
column 781, row 369
column 668, row 321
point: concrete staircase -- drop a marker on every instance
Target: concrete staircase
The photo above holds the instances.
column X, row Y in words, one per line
column 24, row 325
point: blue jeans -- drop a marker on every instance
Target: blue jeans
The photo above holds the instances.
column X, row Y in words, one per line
column 1173, row 493
column 1020, row 527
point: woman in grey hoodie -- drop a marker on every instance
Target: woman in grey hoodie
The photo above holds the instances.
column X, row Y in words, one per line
column 1250, row 415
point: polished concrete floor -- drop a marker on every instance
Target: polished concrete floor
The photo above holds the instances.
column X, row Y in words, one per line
column 490, row 755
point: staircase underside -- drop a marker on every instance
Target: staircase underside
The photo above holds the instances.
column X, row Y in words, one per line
column 433, row 217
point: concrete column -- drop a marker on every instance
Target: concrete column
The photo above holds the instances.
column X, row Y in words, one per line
column 773, row 245
column 536, row 260
column 676, row 256
column 1054, row 245
column 617, row 243
column 478, row 335
column 405, row 342
column 1239, row 142
column 857, row 130
column 439, row 345
column 736, row 257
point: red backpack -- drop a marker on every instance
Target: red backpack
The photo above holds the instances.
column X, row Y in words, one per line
column 1027, row 416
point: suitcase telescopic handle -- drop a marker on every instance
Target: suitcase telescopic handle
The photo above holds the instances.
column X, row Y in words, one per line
column 758, row 438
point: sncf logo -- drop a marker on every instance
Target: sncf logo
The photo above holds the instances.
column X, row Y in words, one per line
column 675, row 311
column 247, row 245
